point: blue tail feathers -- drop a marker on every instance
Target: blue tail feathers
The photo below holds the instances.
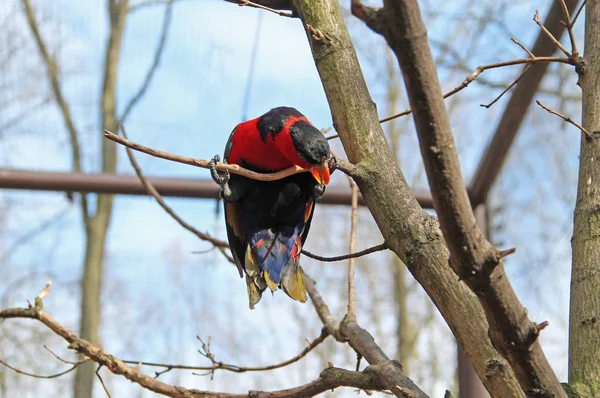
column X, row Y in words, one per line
column 274, row 249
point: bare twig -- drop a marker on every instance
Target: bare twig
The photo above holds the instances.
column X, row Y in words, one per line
column 538, row 21
column 566, row 119
column 380, row 247
column 329, row 379
column 232, row 168
column 507, row 89
column 45, row 291
column 507, row 252
column 52, row 376
column 243, row 3
column 569, row 26
column 102, row 381
column 518, row 43
column 154, row 193
column 55, row 355
column 351, row 294
column 483, row 68
column 154, row 66
column 329, row 322
column 218, row 365
column 53, row 76
column 578, row 12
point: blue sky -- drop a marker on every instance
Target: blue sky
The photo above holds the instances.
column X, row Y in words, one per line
column 192, row 105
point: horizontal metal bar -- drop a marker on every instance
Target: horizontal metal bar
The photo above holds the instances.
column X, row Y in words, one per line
column 131, row 185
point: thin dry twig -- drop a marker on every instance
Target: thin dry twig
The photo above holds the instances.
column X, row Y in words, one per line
column 507, row 89
column 518, row 43
column 155, row 62
column 378, row 248
column 480, row 69
column 232, row 168
column 102, row 381
column 578, row 12
column 329, row 379
column 52, row 376
column 55, row 355
column 538, row 21
column 569, row 26
column 221, row 245
column 218, row 365
column 566, row 119
column 351, row 294
column 243, row 3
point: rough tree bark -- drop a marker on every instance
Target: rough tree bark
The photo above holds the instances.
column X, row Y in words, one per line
column 584, row 320
column 412, row 234
column 472, row 257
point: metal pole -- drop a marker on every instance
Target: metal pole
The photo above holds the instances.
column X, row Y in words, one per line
column 131, row 185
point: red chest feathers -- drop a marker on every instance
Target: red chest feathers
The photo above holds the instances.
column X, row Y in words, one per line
column 250, row 151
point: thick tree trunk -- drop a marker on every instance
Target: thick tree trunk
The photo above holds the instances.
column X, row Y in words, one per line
column 584, row 322
column 410, row 232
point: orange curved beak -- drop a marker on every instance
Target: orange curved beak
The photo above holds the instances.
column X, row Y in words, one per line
column 321, row 174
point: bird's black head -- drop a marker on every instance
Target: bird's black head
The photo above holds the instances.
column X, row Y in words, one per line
column 298, row 140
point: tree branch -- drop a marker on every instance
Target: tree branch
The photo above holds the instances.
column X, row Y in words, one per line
column 232, row 168
column 374, row 249
column 566, row 119
column 221, row 245
column 329, row 379
column 472, row 257
column 411, row 233
column 52, row 71
column 218, row 365
column 389, row 372
column 154, row 66
column 351, row 295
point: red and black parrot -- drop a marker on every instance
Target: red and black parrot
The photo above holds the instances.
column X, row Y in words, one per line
column 268, row 222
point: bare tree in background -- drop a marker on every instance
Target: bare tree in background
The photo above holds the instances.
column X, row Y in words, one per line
column 96, row 218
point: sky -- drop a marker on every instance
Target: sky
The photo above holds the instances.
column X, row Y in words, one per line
column 157, row 292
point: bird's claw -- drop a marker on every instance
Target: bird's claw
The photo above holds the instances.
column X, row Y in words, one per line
column 221, row 178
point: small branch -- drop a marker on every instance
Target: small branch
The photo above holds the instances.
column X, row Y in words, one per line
column 329, row 379
column 538, row 21
column 45, row 291
column 154, row 193
column 53, row 376
column 578, row 12
column 518, row 43
column 507, row 252
column 378, row 248
column 156, row 61
column 102, row 381
column 218, row 365
column 480, row 69
column 232, row 168
column 569, row 26
column 329, row 322
column 351, row 295
column 507, row 89
column 566, row 119
column 372, row 17
column 53, row 76
column 246, row 3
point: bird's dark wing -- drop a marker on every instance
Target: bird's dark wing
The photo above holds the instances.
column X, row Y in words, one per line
column 236, row 235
